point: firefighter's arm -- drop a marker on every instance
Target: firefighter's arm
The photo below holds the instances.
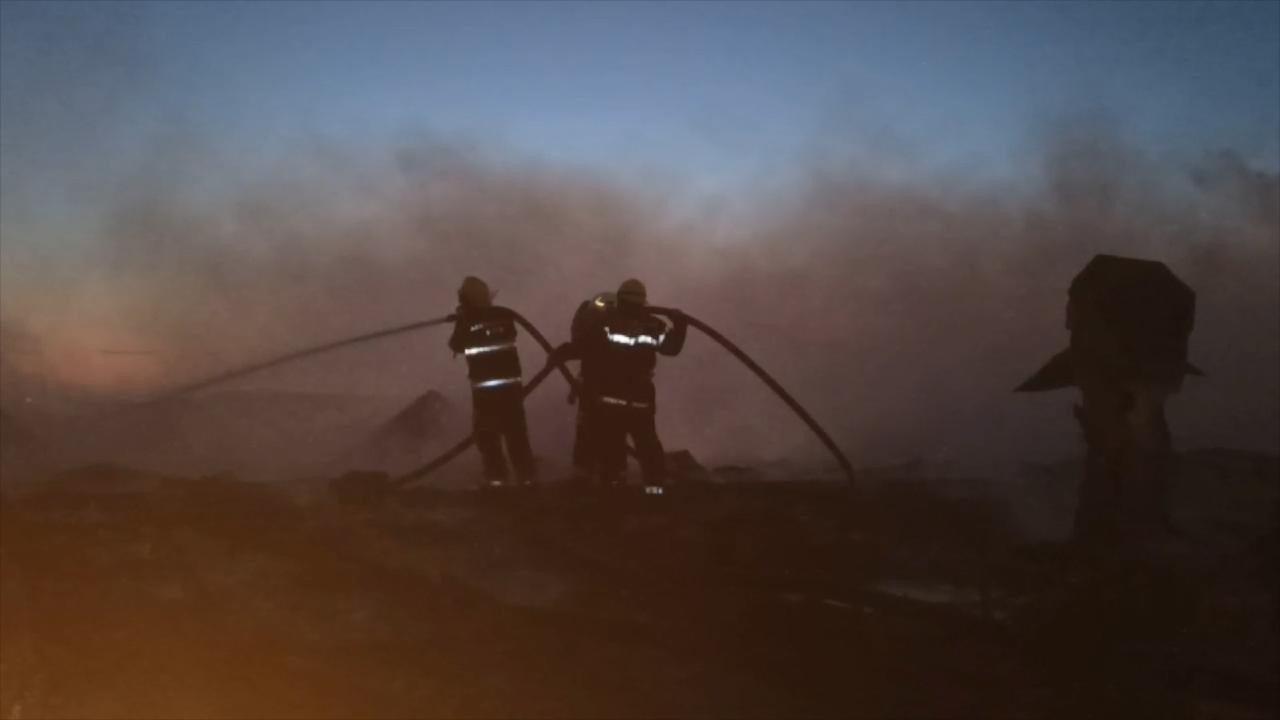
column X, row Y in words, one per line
column 565, row 352
column 673, row 342
column 455, row 340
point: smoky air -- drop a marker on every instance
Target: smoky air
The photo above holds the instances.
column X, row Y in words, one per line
column 900, row 314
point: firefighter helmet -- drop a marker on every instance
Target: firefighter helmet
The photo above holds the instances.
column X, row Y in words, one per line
column 474, row 293
column 632, row 292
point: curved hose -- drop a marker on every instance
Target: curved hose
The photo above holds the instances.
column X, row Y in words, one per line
column 536, row 380
column 768, row 380
column 462, row 445
column 542, row 340
column 707, row 330
column 533, row 383
column 449, row 454
column 296, row 355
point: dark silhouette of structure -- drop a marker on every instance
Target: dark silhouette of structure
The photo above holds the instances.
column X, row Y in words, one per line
column 1130, row 321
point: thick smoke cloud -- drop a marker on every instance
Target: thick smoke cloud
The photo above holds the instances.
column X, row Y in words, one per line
column 901, row 314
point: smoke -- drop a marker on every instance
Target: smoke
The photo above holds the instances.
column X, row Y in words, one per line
column 900, row 312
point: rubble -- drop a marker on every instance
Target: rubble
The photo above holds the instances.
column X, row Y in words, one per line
column 684, row 468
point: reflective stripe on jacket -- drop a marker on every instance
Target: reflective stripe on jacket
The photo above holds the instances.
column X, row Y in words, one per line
column 487, row 338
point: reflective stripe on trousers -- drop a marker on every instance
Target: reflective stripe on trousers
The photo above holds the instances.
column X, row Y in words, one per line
column 623, row 403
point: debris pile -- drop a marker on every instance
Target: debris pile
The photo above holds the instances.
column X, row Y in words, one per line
column 409, row 438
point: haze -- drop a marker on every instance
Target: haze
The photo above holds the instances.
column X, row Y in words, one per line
column 884, row 203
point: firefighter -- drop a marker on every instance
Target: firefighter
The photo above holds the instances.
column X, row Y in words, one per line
column 628, row 341
column 486, row 336
column 587, row 324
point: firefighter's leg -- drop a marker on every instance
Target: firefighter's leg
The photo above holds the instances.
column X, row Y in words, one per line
column 610, row 447
column 516, row 432
column 649, row 450
column 487, row 429
column 585, row 464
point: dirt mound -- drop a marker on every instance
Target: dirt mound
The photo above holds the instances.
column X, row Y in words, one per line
column 411, row 437
column 425, row 417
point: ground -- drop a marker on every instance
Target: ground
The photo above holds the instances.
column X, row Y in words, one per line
column 128, row 595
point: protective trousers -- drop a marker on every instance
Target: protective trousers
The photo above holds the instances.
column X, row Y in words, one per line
column 614, row 424
column 498, row 416
column 586, row 450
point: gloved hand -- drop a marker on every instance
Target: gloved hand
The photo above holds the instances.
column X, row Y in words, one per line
column 560, row 353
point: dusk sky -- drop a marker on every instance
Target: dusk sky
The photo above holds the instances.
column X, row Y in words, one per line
column 219, row 181
column 721, row 93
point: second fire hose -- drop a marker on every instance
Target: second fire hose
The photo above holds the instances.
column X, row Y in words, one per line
column 705, row 329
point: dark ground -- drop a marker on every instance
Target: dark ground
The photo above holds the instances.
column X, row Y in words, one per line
column 126, row 595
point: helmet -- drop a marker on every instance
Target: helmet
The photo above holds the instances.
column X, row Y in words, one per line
column 590, row 313
column 474, row 292
column 632, row 292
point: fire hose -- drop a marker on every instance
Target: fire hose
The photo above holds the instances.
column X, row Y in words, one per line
column 529, row 387
column 745, row 359
column 295, row 355
column 462, row 445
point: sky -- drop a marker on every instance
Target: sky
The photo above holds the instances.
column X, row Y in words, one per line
column 718, row 92
column 219, row 181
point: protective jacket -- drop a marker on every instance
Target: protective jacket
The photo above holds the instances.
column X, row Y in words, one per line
column 487, row 337
column 627, row 346
column 583, row 344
